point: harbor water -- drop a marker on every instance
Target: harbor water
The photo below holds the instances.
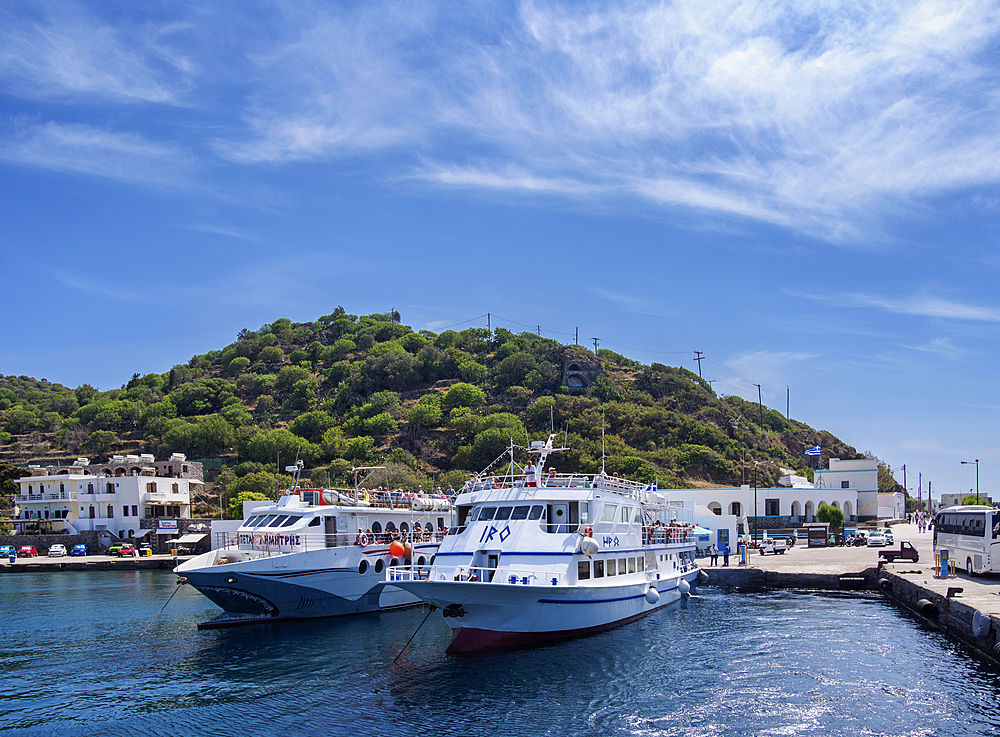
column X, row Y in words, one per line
column 74, row 663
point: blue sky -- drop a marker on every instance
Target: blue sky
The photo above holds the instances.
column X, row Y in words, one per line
column 806, row 192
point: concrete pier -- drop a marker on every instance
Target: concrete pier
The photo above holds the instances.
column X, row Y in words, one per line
column 967, row 608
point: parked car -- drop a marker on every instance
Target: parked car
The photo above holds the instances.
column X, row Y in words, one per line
column 79, row 549
column 27, row 551
column 57, row 551
column 126, row 551
column 876, row 539
column 888, row 537
column 113, row 550
column 7, row 550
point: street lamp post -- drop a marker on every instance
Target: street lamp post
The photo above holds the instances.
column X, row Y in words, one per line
column 976, row 464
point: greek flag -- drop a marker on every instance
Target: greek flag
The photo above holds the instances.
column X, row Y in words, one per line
column 651, row 487
column 814, row 451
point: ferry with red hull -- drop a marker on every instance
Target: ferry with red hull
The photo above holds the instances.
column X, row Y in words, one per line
column 535, row 557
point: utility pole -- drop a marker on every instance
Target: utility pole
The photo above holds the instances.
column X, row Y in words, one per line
column 488, row 322
column 538, row 329
column 698, row 356
column 596, row 341
column 920, row 487
column 576, row 340
column 788, row 400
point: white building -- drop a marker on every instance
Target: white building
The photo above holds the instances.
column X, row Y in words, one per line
column 861, row 476
column 775, row 506
column 892, row 505
column 113, row 496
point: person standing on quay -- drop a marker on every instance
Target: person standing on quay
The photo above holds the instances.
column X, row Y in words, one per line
column 713, row 552
column 725, row 555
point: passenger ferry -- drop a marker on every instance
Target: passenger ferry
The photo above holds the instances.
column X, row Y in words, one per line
column 535, row 558
column 318, row 553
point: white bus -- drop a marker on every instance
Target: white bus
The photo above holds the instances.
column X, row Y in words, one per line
column 971, row 535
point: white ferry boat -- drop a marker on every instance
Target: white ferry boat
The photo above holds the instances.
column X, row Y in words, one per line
column 318, row 553
column 534, row 558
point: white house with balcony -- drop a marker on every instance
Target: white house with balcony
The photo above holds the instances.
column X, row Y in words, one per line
column 113, row 496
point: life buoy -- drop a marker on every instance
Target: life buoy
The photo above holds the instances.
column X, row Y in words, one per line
column 362, row 539
column 588, row 531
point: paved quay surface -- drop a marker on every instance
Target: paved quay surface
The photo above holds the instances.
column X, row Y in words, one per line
column 87, row 563
column 979, row 592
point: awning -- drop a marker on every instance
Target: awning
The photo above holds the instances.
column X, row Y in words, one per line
column 142, row 533
column 701, row 531
column 190, row 538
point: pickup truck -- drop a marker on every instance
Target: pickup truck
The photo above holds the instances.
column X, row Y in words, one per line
column 906, row 552
column 772, row 545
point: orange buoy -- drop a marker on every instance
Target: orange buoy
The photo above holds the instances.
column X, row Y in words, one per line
column 397, row 549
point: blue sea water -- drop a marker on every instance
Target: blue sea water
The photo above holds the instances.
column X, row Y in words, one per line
column 74, row 663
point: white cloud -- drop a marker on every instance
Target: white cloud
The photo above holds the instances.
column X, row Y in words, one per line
column 919, row 305
column 770, row 369
column 90, row 151
column 58, row 51
column 816, row 116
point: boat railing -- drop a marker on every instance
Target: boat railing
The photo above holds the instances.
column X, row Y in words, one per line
column 508, row 575
column 614, row 484
column 272, row 543
column 667, row 535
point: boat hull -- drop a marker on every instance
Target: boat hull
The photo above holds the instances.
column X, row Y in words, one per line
column 491, row 616
column 307, row 585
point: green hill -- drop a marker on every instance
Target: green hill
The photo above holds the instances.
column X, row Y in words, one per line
column 347, row 391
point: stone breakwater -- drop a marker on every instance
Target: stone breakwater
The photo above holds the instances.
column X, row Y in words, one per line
column 962, row 608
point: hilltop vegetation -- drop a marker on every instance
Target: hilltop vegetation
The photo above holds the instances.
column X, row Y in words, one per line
column 347, row 391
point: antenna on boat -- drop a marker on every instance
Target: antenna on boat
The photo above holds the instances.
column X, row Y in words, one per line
column 552, row 418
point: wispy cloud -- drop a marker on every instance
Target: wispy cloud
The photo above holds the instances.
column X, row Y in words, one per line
column 630, row 302
column 771, row 369
column 813, row 116
column 58, row 51
column 86, row 150
column 923, row 306
column 222, row 230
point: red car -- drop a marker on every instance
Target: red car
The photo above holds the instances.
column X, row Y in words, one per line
column 127, row 551
column 27, row 551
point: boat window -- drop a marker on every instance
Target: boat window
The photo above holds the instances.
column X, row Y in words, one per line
column 266, row 520
column 403, row 527
column 473, row 515
column 625, row 514
column 631, row 565
column 640, row 564
column 486, row 513
column 292, row 519
column 638, row 515
column 379, row 566
column 390, row 527
column 503, row 512
column 362, row 567
column 376, row 527
column 276, row 522
column 520, row 512
column 251, row 521
column 314, row 522
column 612, row 567
column 536, row 512
column 598, row 569
column 609, row 513
column 583, row 570
column 393, row 563
column 622, row 564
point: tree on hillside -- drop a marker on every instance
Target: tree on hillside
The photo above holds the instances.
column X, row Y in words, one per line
column 971, row 500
